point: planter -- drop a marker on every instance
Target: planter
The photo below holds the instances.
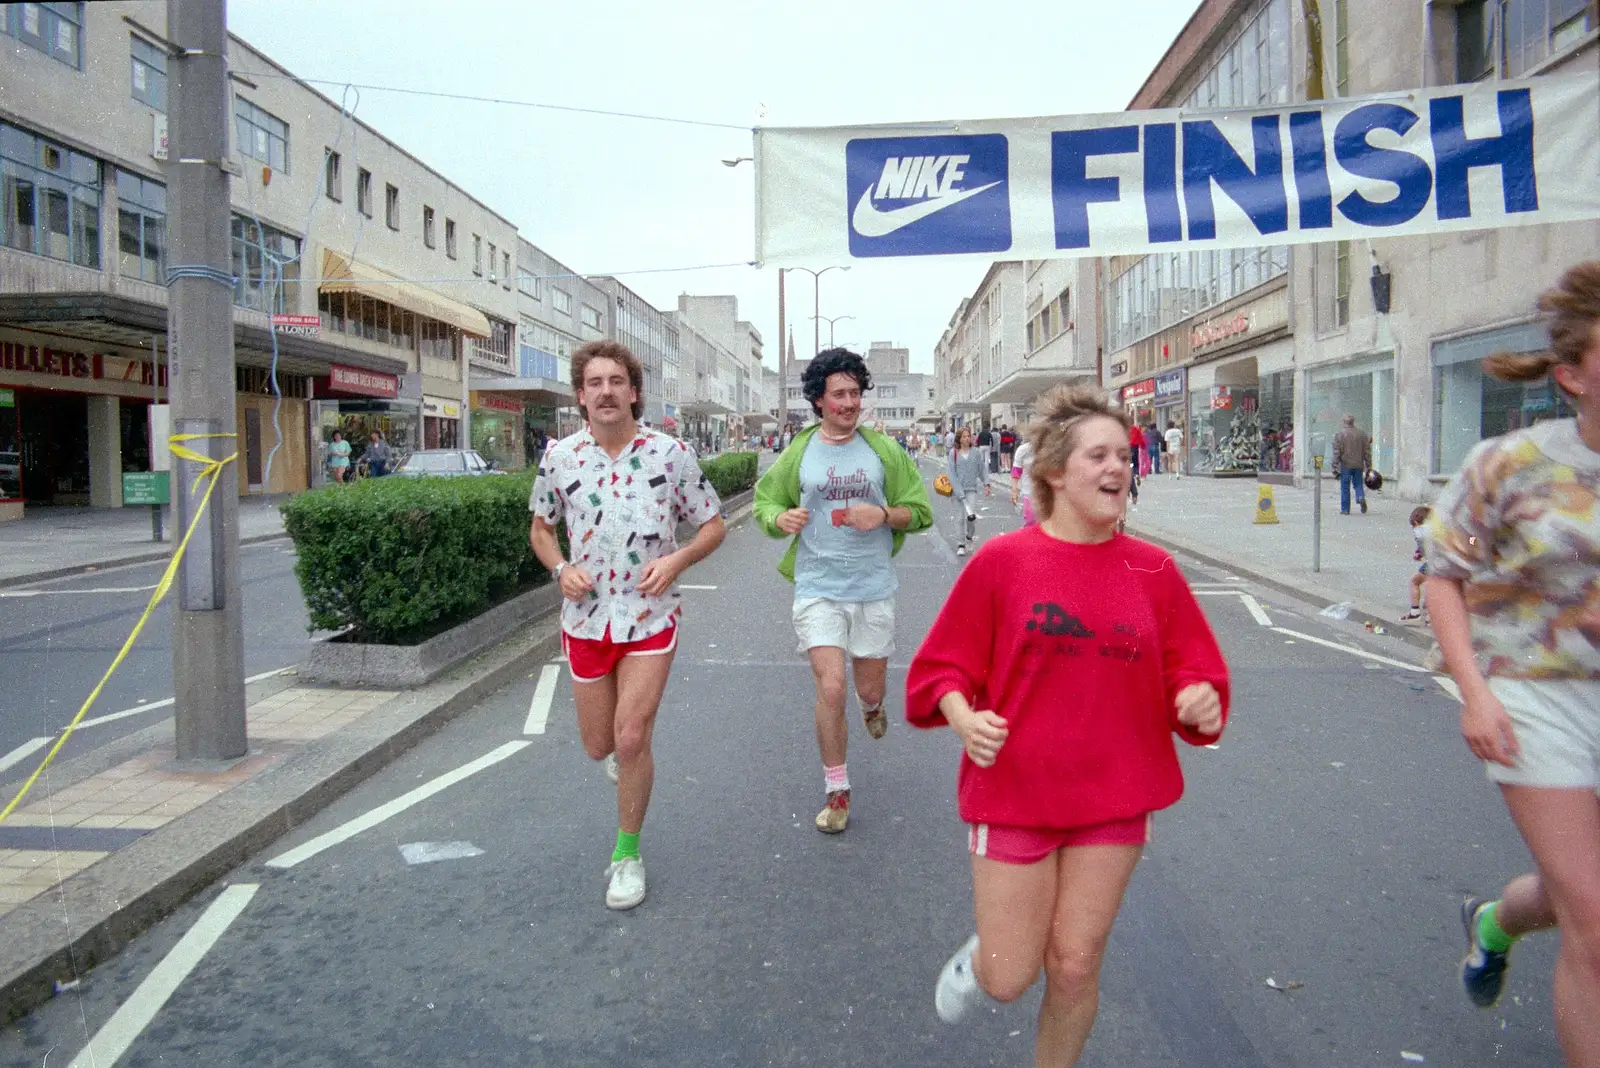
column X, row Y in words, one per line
column 402, row 666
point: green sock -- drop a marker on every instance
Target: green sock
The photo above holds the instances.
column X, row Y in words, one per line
column 627, row 846
column 1490, row 936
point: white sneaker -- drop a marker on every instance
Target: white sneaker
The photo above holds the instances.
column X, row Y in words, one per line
column 961, row 550
column 958, row 992
column 612, row 771
column 627, row 883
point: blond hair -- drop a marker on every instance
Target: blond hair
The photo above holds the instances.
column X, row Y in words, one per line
column 1573, row 312
column 1062, row 413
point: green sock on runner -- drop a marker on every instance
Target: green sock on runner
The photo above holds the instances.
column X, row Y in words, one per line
column 1490, row 935
column 627, row 846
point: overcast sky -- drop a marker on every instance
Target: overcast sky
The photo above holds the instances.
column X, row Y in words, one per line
column 615, row 195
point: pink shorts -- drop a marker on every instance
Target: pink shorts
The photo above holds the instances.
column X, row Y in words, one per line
column 1029, row 845
column 1028, row 518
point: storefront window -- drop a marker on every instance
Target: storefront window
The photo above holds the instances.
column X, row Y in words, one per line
column 1277, row 422
column 1234, row 429
column 1201, row 439
column 1364, row 390
column 1469, row 406
column 357, row 419
column 496, row 436
column 10, row 447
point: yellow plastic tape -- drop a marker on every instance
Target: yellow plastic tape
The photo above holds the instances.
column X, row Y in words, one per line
column 210, row 469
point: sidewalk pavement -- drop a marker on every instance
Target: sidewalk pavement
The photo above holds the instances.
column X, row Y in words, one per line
column 52, row 541
column 1366, row 559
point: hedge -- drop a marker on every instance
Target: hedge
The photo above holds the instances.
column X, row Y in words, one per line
column 397, row 560
column 731, row 473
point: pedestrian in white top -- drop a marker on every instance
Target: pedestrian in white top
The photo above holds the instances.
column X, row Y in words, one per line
column 1174, row 437
column 622, row 490
column 967, row 467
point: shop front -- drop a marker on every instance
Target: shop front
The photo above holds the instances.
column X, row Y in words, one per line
column 1469, row 406
column 498, row 428
column 1364, row 388
column 1138, row 399
column 1241, row 391
column 441, row 423
column 356, row 402
column 1171, row 401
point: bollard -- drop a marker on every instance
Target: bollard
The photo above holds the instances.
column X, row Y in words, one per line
column 1316, row 518
column 1266, row 509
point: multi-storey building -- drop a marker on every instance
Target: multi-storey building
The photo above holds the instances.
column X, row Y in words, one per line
column 982, row 350
column 329, row 218
column 884, row 358
column 705, row 386
column 650, row 334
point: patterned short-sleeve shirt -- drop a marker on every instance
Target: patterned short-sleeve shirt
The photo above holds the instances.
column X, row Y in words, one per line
column 1519, row 527
column 621, row 513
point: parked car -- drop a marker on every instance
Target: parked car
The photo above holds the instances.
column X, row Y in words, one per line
column 446, row 462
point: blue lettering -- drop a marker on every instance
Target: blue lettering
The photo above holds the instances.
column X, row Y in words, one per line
column 1455, row 153
column 1408, row 172
column 1071, row 189
column 1161, row 182
column 1311, row 170
column 1207, row 157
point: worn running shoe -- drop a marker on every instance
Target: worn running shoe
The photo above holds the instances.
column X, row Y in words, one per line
column 877, row 721
column 612, row 771
column 835, row 815
column 958, row 992
column 1483, row 971
column 626, row 888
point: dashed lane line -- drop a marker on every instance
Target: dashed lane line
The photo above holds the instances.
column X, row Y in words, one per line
column 112, row 1040
column 23, row 752
column 543, row 694
column 368, row 820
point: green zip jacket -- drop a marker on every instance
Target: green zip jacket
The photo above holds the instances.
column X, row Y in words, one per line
column 779, row 490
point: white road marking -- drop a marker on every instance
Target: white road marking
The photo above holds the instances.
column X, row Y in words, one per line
column 23, row 752
column 368, row 820
column 683, row 586
column 543, row 694
column 1255, row 609
column 112, row 1040
column 151, row 706
column 58, row 593
column 1448, row 685
column 1352, row 650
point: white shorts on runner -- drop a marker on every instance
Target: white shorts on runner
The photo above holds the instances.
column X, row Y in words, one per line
column 1557, row 727
column 863, row 629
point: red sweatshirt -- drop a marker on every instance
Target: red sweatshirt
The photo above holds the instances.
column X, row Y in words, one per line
column 1082, row 649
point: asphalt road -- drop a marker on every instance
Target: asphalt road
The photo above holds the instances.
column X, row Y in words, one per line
column 58, row 637
column 1326, row 842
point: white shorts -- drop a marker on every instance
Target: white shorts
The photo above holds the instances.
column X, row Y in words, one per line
column 864, row 629
column 1557, row 727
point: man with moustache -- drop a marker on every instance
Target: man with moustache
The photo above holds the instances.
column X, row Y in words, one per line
column 622, row 490
column 847, row 495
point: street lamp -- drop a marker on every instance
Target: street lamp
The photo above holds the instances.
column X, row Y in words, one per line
column 830, row 321
column 816, row 300
column 736, row 162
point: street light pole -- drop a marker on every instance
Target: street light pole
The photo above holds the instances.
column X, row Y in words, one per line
column 830, row 323
column 208, row 626
column 783, row 364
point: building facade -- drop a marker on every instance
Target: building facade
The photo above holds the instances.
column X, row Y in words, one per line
column 983, row 347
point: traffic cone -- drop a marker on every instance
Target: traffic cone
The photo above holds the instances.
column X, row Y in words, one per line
column 1266, row 509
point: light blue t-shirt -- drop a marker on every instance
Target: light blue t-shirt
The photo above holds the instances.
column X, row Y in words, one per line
column 833, row 561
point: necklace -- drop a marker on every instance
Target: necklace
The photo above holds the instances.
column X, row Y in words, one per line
column 831, row 440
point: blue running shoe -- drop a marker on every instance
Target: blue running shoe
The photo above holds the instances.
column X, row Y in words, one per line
column 1483, row 971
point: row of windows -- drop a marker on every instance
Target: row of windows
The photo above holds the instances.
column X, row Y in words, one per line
column 1051, row 321
column 54, row 29
column 375, row 320
column 260, row 134
column 1253, row 69
column 52, row 198
column 1164, row 289
column 1512, row 37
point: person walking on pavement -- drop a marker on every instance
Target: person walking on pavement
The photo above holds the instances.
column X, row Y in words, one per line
column 986, row 450
column 1352, row 455
column 1022, row 481
column 1136, row 449
column 1095, row 653
column 1513, row 552
column 622, row 491
column 847, row 495
column 338, row 457
column 378, row 456
column 1154, row 446
column 1174, row 439
column 1008, row 447
column 967, row 467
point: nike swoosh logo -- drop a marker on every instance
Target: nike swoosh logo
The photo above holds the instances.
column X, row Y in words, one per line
column 870, row 222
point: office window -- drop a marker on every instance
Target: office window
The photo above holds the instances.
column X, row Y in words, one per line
column 141, row 228
column 364, row 191
column 450, row 238
column 149, row 73
column 52, row 198
column 1341, row 47
column 527, row 284
column 54, row 29
column 266, row 265
column 332, row 175
column 391, row 207
column 427, row 227
column 261, row 134
column 591, row 316
column 477, row 254
column 1512, row 37
column 493, row 259
column 505, row 270
column 561, row 299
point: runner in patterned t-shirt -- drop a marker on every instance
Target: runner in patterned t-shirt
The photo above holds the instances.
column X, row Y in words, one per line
column 622, row 491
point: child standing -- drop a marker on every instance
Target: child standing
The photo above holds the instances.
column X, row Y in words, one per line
column 1419, row 516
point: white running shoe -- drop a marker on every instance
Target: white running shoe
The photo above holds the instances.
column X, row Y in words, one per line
column 612, row 771
column 958, row 992
column 627, row 883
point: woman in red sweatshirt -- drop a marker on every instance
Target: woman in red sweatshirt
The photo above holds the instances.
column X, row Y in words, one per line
column 1096, row 654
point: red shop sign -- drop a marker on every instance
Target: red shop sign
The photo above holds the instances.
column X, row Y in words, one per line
column 1136, row 390
column 366, row 383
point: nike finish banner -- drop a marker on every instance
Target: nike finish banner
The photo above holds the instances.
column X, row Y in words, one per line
column 1495, row 154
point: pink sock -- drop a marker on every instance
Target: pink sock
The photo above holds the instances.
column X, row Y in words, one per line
column 836, row 778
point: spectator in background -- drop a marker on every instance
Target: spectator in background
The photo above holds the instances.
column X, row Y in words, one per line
column 378, row 456
column 1352, row 455
column 338, row 457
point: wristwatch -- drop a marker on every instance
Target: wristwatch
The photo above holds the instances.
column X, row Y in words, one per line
column 556, row 574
